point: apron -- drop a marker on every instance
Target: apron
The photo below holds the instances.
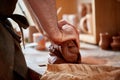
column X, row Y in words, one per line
column 11, row 56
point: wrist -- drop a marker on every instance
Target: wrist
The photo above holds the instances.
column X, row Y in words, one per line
column 57, row 38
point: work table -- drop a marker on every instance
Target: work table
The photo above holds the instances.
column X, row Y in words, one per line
column 37, row 60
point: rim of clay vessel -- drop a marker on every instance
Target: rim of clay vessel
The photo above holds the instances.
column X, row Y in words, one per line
column 104, row 34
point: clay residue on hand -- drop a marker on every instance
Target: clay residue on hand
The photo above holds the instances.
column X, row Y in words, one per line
column 67, row 52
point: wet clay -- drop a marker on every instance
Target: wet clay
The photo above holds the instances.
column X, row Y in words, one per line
column 67, row 52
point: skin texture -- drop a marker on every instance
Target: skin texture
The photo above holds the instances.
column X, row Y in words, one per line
column 46, row 13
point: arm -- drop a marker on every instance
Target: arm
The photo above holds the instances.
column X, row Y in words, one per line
column 45, row 10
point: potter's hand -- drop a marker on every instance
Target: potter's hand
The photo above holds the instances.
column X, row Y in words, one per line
column 68, row 31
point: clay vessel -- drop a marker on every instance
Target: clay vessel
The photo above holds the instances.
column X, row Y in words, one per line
column 66, row 52
column 32, row 29
column 116, row 43
column 105, row 40
column 40, row 40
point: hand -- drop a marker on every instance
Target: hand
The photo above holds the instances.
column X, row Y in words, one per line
column 69, row 32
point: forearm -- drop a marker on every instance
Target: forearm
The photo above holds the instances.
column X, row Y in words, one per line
column 45, row 10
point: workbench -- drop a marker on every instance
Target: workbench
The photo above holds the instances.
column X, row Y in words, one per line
column 37, row 60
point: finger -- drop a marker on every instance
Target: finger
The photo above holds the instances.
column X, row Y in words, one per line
column 62, row 23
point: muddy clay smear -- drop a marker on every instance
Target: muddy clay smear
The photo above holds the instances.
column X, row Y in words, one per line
column 68, row 52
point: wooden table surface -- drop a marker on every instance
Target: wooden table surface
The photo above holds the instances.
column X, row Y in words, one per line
column 36, row 60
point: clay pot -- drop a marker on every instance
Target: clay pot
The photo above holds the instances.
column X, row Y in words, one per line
column 116, row 43
column 40, row 40
column 32, row 29
column 105, row 40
